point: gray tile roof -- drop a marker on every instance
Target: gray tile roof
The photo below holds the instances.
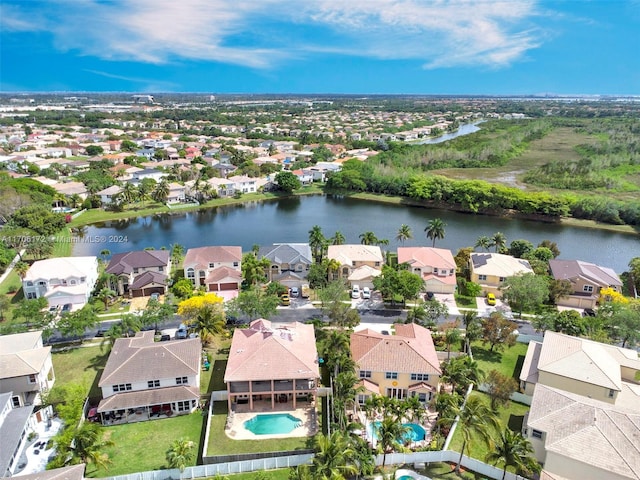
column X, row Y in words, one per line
column 143, row 398
column 573, row 269
column 588, row 431
column 11, row 429
column 147, row 278
column 290, row 253
column 125, row 262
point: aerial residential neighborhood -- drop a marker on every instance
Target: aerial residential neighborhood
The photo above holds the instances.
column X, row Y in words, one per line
column 277, row 288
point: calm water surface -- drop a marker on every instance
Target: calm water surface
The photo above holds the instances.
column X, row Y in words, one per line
column 290, row 219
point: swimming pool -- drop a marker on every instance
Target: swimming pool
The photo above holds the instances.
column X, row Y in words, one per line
column 271, row 424
column 414, row 432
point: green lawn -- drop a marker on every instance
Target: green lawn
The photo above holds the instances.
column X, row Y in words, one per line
column 279, row 474
column 508, row 362
column 512, row 415
column 445, row 471
column 80, row 365
column 220, row 444
column 140, row 447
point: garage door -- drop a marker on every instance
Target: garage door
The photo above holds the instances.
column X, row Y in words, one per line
column 228, row 286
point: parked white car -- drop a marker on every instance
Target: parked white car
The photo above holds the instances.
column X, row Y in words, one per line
column 355, row 291
column 366, row 293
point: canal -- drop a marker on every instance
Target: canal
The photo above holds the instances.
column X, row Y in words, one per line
column 290, row 219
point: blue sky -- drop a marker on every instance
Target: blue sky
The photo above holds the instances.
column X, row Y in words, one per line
column 321, row 46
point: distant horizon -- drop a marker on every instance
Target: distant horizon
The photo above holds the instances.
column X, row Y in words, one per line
column 289, row 47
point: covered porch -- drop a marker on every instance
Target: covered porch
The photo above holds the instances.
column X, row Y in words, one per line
column 271, row 392
column 145, row 405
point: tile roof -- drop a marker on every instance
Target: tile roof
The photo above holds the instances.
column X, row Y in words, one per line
column 148, row 278
column 364, row 272
column 201, row 257
column 125, row 262
column 426, row 257
column 573, row 269
column 20, row 341
column 499, row 265
column 141, row 359
column 152, row 396
column 62, row 267
column 26, row 362
column 529, row 372
column 267, row 351
column 290, row 253
column 349, row 253
column 73, row 472
column 224, row 273
column 585, row 360
column 589, row 431
column 410, row 350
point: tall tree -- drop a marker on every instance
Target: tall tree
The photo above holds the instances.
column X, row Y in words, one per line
column 525, row 292
column 497, row 331
column 483, row 242
column 390, row 433
column 317, row 242
column 338, row 238
column 334, row 457
column 500, row 388
column 161, row 192
column 435, row 230
column 254, row 303
column 404, row 233
column 511, row 450
column 476, row 421
column 254, row 269
column 498, row 240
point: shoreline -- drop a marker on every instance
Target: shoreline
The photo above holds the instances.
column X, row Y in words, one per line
column 104, row 216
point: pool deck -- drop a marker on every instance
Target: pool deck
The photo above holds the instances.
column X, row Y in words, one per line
column 35, row 456
column 307, row 414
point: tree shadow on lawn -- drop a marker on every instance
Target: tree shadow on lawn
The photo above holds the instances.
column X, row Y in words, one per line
column 518, row 368
column 515, row 422
column 216, row 382
column 484, row 355
column 97, row 363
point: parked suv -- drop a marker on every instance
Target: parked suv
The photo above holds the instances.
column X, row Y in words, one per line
column 355, row 291
column 181, row 333
column 366, row 293
column 295, row 292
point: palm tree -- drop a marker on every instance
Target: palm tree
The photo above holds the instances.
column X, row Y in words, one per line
column 161, row 192
column 129, row 192
column 338, row 238
column 105, row 294
column 483, row 242
column 104, row 253
column 471, row 323
column 88, row 441
column 317, row 242
column 511, row 449
column 177, row 253
column 451, row 336
column 476, row 420
column 498, row 240
column 404, row 233
column 368, row 238
column 210, row 321
column 435, row 230
column 334, row 346
column 180, row 454
column 390, row 431
column 459, row 372
column 75, row 200
column 334, row 458
column 21, row 269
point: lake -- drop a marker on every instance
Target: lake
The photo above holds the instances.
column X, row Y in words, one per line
column 290, row 219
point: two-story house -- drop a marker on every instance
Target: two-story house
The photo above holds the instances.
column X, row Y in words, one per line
column 144, row 379
column 397, row 366
column 62, row 280
column 26, row 369
column 217, row 268
column 587, row 279
column 271, row 363
column 359, row 264
column 140, row 273
column 244, row 184
column 490, row 270
column 435, row 266
column 109, row 194
column 290, row 262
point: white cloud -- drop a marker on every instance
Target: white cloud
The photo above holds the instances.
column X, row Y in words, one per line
column 263, row 33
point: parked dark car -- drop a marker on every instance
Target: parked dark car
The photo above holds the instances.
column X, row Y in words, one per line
column 589, row 312
column 165, row 338
column 429, row 296
column 102, row 331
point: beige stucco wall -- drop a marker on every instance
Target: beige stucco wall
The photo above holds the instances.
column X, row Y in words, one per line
column 628, row 374
column 574, row 386
column 577, row 302
column 573, row 469
column 403, row 381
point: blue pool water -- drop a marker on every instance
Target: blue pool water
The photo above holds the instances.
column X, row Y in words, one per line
column 270, row 424
column 405, row 477
column 415, row 432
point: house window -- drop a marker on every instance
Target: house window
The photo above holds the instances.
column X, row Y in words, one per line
column 536, row 433
column 212, row 265
column 122, row 387
column 435, row 270
column 191, row 273
column 482, row 277
column 153, row 383
column 587, row 288
column 181, row 380
column 29, row 283
column 183, row 406
column 161, row 268
column 135, row 270
column 391, row 375
column 362, row 399
column 417, row 271
column 451, row 272
column 364, row 373
column 501, row 279
column 72, row 282
column 353, row 264
column 611, row 393
column 377, row 264
column 83, row 279
column 33, row 378
column 202, row 274
column 235, row 264
column 16, row 401
column 420, row 376
column 31, row 295
column 42, row 283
